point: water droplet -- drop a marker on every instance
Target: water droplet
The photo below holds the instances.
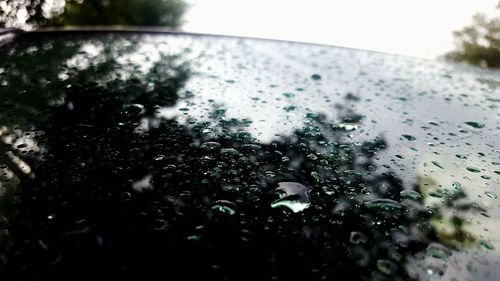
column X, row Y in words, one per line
column 383, row 205
column 476, row 125
column 435, row 163
column 316, row 77
column 289, row 95
column 159, row 158
column 348, row 126
column 224, row 207
column 220, row 112
column 436, row 194
column 242, row 135
column 358, row 238
column 193, row 237
column 456, row 185
column 270, row 174
column 434, row 270
column 490, row 194
column 22, row 145
column 473, row 169
column 311, row 115
column 210, row 146
column 487, row 245
column 251, row 147
column 438, row 251
column 409, row 137
column 289, row 108
column 328, row 190
column 312, row 157
column 386, row 266
column 231, row 188
column 471, row 268
column 410, row 195
column 294, row 196
column 317, row 177
column 229, row 152
column 135, row 109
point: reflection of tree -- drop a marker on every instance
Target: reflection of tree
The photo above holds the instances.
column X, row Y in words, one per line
column 31, row 96
column 119, row 191
column 27, row 14
column 448, row 218
column 479, row 43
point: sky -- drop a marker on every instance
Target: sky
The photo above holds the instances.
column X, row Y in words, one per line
column 416, row 28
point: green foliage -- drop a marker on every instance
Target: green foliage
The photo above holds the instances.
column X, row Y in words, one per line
column 479, row 43
column 123, row 12
column 38, row 13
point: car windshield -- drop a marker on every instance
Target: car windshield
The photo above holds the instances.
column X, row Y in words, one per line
column 176, row 156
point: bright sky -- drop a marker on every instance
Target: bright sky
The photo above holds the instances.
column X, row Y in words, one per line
column 417, row 28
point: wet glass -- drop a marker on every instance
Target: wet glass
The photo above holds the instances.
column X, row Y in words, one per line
column 164, row 156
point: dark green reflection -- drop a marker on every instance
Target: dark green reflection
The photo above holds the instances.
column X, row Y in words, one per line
column 108, row 188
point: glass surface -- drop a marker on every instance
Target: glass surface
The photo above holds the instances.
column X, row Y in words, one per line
column 136, row 156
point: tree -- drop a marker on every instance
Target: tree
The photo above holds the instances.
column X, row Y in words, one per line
column 479, row 43
column 38, row 13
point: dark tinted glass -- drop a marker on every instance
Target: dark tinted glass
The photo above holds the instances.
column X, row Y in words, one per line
column 170, row 157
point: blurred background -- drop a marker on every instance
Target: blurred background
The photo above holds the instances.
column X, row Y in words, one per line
column 463, row 31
